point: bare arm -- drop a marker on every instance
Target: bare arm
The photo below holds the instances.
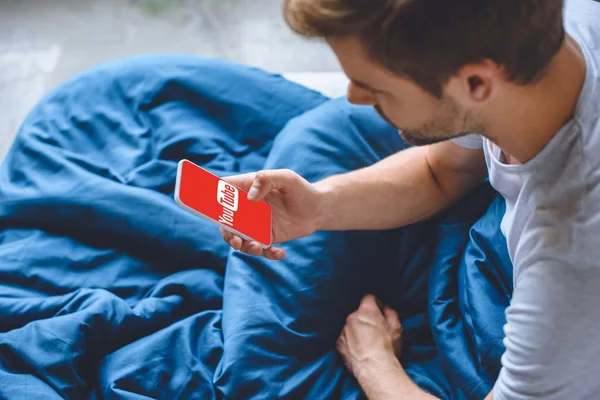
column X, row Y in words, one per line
column 407, row 187
column 402, row 189
column 369, row 344
column 392, row 382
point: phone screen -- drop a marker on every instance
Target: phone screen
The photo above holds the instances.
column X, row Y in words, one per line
column 210, row 197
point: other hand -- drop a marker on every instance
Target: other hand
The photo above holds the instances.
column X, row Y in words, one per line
column 371, row 336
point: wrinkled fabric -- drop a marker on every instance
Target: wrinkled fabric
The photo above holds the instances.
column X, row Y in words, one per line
column 109, row 290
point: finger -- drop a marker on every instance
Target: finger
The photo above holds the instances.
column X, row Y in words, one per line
column 227, row 236
column 234, row 241
column 393, row 323
column 391, row 316
column 266, row 181
column 379, row 304
column 369, row 304
column 252, row 248
column 274, row 253
column 245, row 247
column 242, row 181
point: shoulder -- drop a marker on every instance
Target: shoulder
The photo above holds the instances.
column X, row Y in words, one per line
column 565, row 222
column 582, row 18
column 582, row 14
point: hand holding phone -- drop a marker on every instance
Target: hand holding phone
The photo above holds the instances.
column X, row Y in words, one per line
column 296, row 209
column 213, row 199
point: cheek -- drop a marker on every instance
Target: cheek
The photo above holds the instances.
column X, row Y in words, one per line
column 390, row 105
column 405, row 113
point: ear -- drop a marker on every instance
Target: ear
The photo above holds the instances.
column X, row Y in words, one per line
column 477, row 83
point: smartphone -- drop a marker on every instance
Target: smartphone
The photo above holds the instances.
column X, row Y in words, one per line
column 211, row 198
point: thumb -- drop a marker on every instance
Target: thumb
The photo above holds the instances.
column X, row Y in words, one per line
column 369, row 304
column 265, row 181
column 391, row 316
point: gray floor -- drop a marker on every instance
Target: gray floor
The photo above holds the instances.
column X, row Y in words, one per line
column 44, row 42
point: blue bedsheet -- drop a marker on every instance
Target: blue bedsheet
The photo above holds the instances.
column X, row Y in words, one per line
column 109, row 290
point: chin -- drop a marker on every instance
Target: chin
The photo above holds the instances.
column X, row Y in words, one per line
column 407, row 138
column 419, row 140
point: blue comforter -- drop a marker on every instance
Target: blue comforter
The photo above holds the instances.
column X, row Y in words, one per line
column 109, row 290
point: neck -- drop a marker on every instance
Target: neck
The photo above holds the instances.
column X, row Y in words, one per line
column 523, row 126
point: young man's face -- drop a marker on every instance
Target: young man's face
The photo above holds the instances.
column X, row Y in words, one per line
column 421, row 117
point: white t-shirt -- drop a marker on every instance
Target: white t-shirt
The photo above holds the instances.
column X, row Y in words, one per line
column 552, row 228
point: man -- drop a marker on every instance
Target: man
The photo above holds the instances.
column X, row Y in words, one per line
column 524, row 76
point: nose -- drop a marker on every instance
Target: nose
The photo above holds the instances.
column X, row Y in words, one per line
column 360, row 96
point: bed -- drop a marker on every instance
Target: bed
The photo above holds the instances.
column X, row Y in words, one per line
column 109, row 290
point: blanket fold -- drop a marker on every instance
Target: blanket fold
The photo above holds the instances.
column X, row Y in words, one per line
column 109, row 290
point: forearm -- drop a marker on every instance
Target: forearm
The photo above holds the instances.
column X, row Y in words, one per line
column 397, row 191
column 389, row 382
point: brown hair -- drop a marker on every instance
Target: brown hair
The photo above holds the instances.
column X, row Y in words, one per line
column 429, row 40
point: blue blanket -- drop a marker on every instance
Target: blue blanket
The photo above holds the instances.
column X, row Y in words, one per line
column 109, row 290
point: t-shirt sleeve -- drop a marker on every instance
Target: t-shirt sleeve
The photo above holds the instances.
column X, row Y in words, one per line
column 472, row 141
column 551, row 334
